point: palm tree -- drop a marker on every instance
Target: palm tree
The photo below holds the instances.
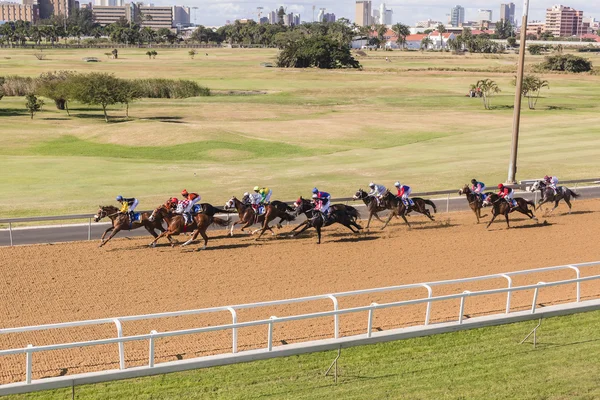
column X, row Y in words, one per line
column 402, row 31
column 487, row 87
column 441, row 29
column 426, row 42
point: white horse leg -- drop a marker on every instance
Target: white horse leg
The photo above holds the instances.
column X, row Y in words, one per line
column 188, row 242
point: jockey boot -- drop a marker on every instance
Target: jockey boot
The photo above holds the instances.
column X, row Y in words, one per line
column 131, row 216
column 187, row 218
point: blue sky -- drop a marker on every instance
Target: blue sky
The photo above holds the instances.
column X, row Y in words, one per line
column 216, row 12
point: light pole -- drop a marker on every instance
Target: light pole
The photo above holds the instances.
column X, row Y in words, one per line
column 512, row 166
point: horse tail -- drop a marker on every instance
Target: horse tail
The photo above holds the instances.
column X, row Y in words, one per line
column 431, row 203
column 220, row 221
column 574, row 194
column 531, row 203
column 289, row 208
column 352, row 212
column 288, row 217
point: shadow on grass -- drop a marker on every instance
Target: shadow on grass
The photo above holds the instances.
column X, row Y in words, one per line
column 12, row 113
column 100, row 117
column 559, row 108
column 55, row 119
column 162, row 118
column 502, row 107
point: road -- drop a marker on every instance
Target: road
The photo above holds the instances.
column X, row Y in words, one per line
column 75, row 232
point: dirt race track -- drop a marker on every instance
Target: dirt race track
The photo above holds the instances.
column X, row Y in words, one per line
column 76, row 281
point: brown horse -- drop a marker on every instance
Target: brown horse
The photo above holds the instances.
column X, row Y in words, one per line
column 246, row 214
column 276, row 209
column 474, row 200
column 501, row 207
column 120, row 221
column 176, row 225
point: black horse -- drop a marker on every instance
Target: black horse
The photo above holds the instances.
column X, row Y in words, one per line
column 501, row 207
column 316, row 219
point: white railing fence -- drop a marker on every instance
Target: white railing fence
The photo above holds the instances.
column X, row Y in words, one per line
column 30, row 349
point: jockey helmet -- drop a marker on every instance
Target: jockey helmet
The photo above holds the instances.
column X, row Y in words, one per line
column 397, row 184
column 184, row 193
column 315, row 190
column 371, row 185
column 500, row 186
column 174, row 200
column 315, row 196
column 119, row 198
column 473, row 181
column 546, row 177
column 256, row 188
column 246, row 194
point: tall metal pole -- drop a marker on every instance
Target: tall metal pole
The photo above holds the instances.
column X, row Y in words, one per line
column 512, row 166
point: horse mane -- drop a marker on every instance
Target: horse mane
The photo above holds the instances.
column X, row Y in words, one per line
column 109, row 207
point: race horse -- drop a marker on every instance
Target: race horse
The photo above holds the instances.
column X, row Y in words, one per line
column 120, row 221
column 316, row 219
column 302, row 202
column 548, row 196
column 501, row 207
column 176, row 225
column 475, row 202
column 248, row 217
column 394, row 204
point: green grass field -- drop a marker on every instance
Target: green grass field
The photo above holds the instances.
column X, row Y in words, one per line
column 486, row 363
column 286, row 129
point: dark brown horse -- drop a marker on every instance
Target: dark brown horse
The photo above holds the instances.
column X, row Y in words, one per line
column 548, row 196
column 306, row 204
column 176, row 225
column 501, row 207
column 475, row 202
column 316, row 219
column 273, row 210
column 395, row 205
column 120, row 221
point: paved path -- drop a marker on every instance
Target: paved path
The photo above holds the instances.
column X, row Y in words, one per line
column 74, row 232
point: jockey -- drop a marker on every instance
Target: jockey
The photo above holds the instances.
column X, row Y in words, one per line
column 171, row 203
column 478, row 188
column 403, row 192
column 192, row 199
column 265, row 194
column 128, row 205
column 255, row 200
column 377, row 191
column 551, row 182
column 322, row 201
column 507, row 194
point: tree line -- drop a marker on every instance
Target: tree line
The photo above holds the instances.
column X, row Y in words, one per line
column 100, row 89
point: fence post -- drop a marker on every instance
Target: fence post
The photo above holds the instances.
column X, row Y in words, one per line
column 121, row 344
column 28, row 364
column 509, row 293
column 535, row 296
column 10, row 232
column 336, row 317
column 370, row 321
column 429, row 294
column 90, row 229
column 234, row 331
column 462, row 307
column 151, row 349
column 270, row 338
column 578, row 275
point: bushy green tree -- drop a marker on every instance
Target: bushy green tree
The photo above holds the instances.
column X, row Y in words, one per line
column 567, row 63
column 97, row 88
column 316, row 51
column 33, row 104
column 58, row 87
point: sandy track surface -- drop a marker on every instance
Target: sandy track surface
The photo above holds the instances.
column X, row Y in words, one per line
column 76, row 281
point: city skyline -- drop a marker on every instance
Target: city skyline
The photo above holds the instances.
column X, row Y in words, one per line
column 407, row 12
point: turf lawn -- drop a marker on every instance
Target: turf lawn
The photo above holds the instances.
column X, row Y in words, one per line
column 486, row 363
column 289, row 130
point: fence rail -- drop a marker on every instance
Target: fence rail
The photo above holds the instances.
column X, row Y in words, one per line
column 30, row 349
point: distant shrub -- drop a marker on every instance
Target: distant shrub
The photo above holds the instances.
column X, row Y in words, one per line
column 157, row 88
column 566, row 63
column 18, row 85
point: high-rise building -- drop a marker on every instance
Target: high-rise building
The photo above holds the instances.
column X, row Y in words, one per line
column 363, row 13
column 564, row 21
column 375, row 17
column 263, row 20
column 329, row 17
column 386, row 17
column 457, row 16
column 106, row 15
column 273, row 17
column 484, row 15
column 507, row 12
column 156, row 17
column 321, row 15
column 10, row 12
column 181, row 16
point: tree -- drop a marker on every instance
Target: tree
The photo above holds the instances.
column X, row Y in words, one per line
column 151, row 54
column 128, row 92
column 426, row 42
column 1, row 87
column 532, row 85
column 98, row 88
column 487, row 87
column 115, row 53
column 567, row 63
column 280, row 15
column 512, row 41
column 316, row 51
column 536, row 49
column 192, row 53
column 57, row 86
column 402, row 31
column 441, row 29
column 33, row 104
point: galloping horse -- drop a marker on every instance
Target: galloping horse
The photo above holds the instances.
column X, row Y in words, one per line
column 246, row 214
column 120, row 221
column 501, row 207
column 349, row 210
column 316, row 219
column 276, row 209
column 393, row 203
column 176, row 225
column 548, row 196
column 474, row 201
